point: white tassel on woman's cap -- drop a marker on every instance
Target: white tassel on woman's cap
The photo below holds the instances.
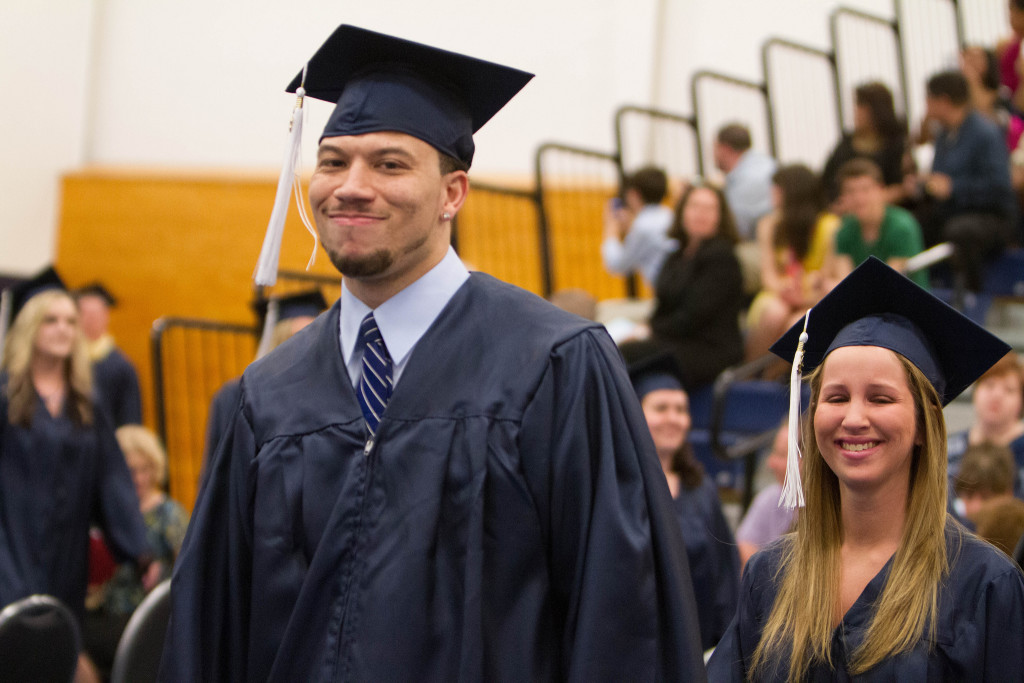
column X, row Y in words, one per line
column 270, row 254
column 792, row 491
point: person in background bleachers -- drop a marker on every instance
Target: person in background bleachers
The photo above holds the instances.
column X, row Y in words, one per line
column 710, row 546
column 636, row 226
column 748, row 177
column 1008, row 55
column 878, row 135
column 1001, row 523
column 60, row 464
column 980, row 67
column 698, row 295
column 117, row 382
column 765, row 520
column 794, row 242
column 113, row 603
column 968, row 199
column 986, row 473
column 871, row 226
column 998, row 417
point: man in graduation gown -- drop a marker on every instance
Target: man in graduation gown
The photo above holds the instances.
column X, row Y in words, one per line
column 117, row 382
column 473, row 497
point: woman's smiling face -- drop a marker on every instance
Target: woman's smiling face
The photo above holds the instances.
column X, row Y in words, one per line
column 865, row 420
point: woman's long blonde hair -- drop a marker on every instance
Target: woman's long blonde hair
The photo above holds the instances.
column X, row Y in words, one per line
column 19, row 351
column 800, row 626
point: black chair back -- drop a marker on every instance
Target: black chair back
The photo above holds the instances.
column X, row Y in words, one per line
column 39, row 641
column 137, row 659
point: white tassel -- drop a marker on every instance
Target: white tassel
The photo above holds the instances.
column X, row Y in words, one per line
column 792, row 491
column 270, row 254
column 5, row 321
column 269, row 323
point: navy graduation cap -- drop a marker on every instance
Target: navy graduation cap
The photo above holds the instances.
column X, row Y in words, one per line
column 877, row 306
column 383, row 83
column 651, row 374
column 309, row 303
column 95, row 289
column 14, row 298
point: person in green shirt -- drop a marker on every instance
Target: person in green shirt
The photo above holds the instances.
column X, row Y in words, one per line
column 872, row 227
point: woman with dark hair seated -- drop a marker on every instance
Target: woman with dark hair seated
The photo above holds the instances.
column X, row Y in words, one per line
column 698, row 295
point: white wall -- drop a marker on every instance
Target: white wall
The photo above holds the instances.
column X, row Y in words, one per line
column 199, row 83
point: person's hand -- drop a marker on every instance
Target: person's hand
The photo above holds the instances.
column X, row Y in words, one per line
column 617, row 220
column 151, row 577
column 939, row 185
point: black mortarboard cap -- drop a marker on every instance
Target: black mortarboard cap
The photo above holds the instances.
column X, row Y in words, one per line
column 383, row 83
column 95, row 289
column 307, row 303
column 877, row 306
column 42, row 281
column 658, row 371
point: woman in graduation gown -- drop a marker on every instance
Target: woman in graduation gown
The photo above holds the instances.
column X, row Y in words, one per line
column 60, row 465
column 710, row 546
column 878, row 582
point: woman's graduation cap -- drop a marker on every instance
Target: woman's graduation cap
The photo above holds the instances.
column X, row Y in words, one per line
column 13, row 299
column 659, row 371
column 877, row 306
column 382, row 83
column 271, row 311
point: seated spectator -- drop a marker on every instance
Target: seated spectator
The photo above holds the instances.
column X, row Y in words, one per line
column 710, row 547
column 636, row 227
column 871, row 226
column 794, row 242
column 878, row 135
column 986, row 474
column 980, row 67
column 998, row 417
column 968, row 197
column 1001, row 523
column 748, row 177
column 114, row 602
column 698, row 294
column 765, row 520
column 1009, row 57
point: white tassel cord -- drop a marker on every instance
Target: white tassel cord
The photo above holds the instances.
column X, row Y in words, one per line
column 792, row 490
column 269, row 323
column 290, row 178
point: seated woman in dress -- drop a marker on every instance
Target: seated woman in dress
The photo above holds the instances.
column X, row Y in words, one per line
column 877, row 582
column 794, row 242
column 60, row 465
column 699, row 293
column 710, row 547
column 165, row 521
column 878, row 135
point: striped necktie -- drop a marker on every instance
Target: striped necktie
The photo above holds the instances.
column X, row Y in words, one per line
column 375, row 384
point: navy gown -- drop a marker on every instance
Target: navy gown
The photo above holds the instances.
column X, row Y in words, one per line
column 511, row 522
column 980, row 630
column 55, row 479
column 713, row 557
column 117, row 384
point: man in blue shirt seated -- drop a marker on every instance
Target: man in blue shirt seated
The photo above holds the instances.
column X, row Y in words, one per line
column 748, row 177
column 636, row 227
column 972, row 203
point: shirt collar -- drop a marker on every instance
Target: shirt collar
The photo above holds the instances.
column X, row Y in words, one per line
column 406, row 316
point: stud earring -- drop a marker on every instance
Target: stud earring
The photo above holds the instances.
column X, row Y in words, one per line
column 446, row 216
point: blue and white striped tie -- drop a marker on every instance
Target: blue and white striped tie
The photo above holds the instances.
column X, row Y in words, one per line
column 375, row 385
